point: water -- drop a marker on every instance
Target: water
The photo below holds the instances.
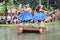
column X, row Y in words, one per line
column 52, row 33
column 8, row 34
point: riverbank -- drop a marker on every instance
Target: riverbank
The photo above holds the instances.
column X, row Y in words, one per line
column 35, row 24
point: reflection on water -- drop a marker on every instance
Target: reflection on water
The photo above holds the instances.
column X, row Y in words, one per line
column 29, row 36
column 53, row 33
column 8, row 34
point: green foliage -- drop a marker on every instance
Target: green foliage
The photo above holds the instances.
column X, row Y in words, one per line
column 58, row 4
column 2, row 9
column 51, row 8
column 32, row 3
column 53, row 4
column 34, row 25
column 44, row 7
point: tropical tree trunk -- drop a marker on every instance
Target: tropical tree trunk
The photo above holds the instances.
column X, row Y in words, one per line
column 11, row 5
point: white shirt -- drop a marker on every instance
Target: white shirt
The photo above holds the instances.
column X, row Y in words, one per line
column 8, row 17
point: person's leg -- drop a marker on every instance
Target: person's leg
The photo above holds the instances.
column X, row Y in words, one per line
column 39, row 23
column 10, row 21
column 24, row 22
column 29, row 22
column 14, row 21
column 33, row 21
column 18, row 21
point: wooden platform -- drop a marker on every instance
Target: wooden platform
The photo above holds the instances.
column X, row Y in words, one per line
column 21, row 28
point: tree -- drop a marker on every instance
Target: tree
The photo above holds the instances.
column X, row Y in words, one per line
column 1, row 1
column 32, row 3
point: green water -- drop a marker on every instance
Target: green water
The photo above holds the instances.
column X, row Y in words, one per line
column 52, row 33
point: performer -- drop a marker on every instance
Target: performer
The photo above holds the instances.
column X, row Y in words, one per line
column 39, row 14
column 26, row 15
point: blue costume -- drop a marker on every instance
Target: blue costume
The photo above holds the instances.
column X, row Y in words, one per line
column 25, row 16
column 39, row 16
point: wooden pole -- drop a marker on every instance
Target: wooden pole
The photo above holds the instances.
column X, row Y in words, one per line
column 47, row 5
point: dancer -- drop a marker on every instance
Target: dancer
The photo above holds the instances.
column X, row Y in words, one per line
column 26, row 15
column 39, row 14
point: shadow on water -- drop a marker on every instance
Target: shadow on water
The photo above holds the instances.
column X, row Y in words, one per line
column 53, row 33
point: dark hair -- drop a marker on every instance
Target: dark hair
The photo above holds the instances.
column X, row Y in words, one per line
column 38, row 8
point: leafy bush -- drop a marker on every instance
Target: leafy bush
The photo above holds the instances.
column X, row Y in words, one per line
column 2, row 9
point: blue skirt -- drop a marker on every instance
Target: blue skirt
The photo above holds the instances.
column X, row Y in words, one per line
column 39, row 16
column 25, row 16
